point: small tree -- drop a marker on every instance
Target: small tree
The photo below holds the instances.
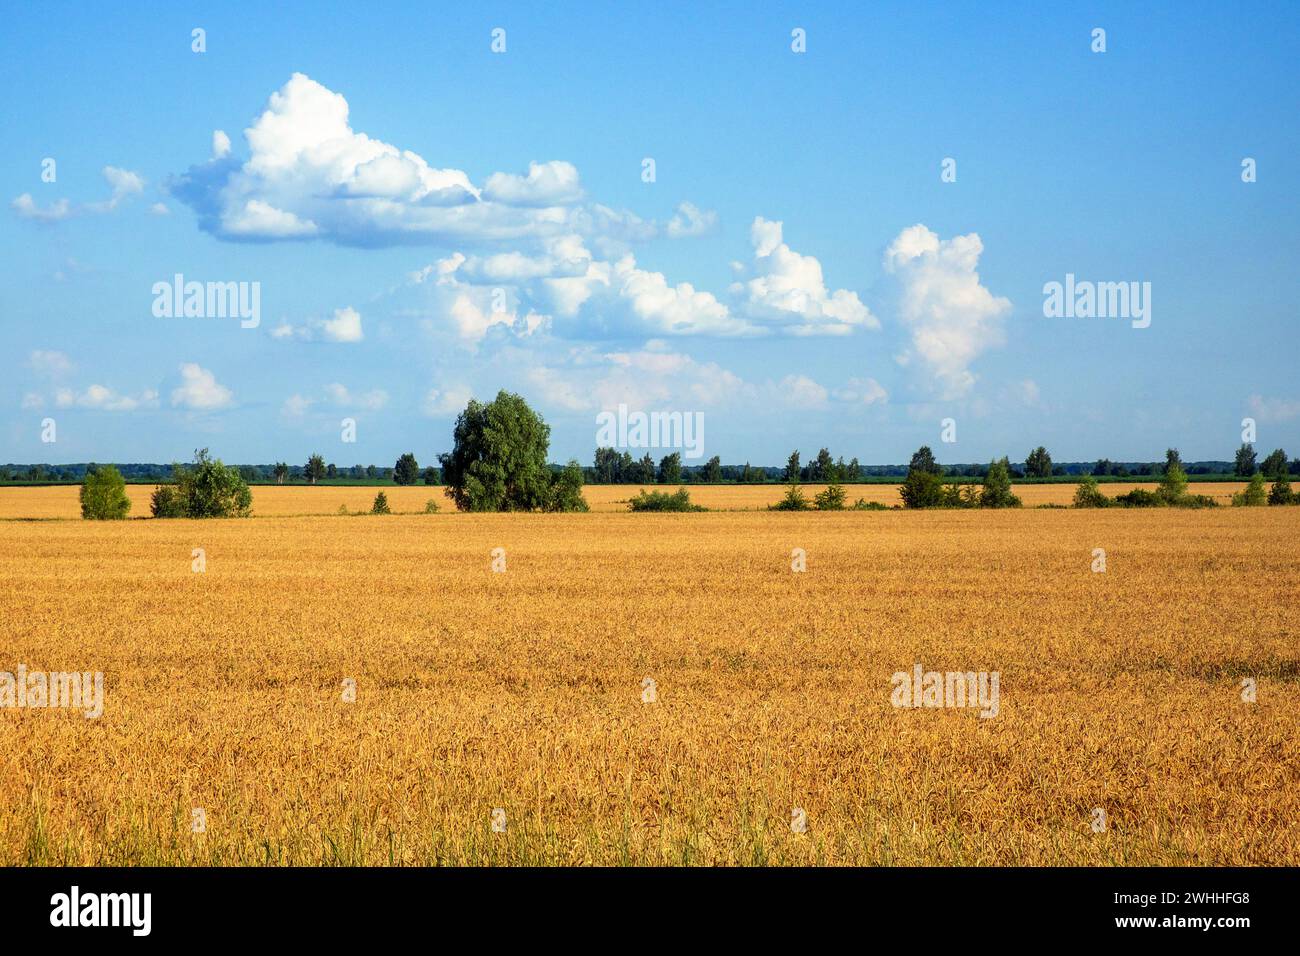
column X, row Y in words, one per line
column 331, row 471
column 103, row 494
column 792, row 466
column 431, row 475
column 1245, row 463
column 1172, row 458
column 997, row 487
column 1088, row 495
column 315, row 469
column 380, row 507
column 1254, row 494
column 407, row 470
column 1038, row 464
column 794, row 500
column 713, row 470
column 1173, row 486
column 832, row 499
column 281, row 472
column 670, row 469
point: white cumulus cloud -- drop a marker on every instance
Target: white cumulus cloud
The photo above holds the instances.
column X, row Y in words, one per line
column 199, row 390
column 784, row 287
column 952, row 318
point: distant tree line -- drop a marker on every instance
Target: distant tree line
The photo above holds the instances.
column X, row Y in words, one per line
column 611, row 466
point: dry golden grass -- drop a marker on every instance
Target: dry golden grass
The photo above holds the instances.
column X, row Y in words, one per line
column 60, row 501
column 522, row 690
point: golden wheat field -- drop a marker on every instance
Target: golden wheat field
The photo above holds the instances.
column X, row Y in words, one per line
column 522, row 690
column 60, row 501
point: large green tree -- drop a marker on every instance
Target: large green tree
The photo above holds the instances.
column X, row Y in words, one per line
column 498, row 457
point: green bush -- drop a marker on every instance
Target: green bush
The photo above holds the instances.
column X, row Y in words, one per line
column 922, row 489
column 794, row 500
column 206, row 489
column 832, row 499
column 1281, row 493
column 1088, row 495
column 960, row 496
column 166, row 502
column 1196, row 501
column 380, row 507
column 862, row 504
column 103, row 494
column 679, row 500
column 1140, row 498
column 1253, row 496
column 566, row 490
column 431, row 507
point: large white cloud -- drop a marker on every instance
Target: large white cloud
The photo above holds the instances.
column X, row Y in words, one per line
column 546, row 184
column 309, row 174
column 472, row 310
column 670, row 309
column 566, row 280
column 784, row 287
column 952, row 318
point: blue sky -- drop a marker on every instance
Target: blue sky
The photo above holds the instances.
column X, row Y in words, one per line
column 428, row 220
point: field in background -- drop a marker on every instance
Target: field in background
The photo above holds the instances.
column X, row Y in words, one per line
column 61, row 501
column 522, row 690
